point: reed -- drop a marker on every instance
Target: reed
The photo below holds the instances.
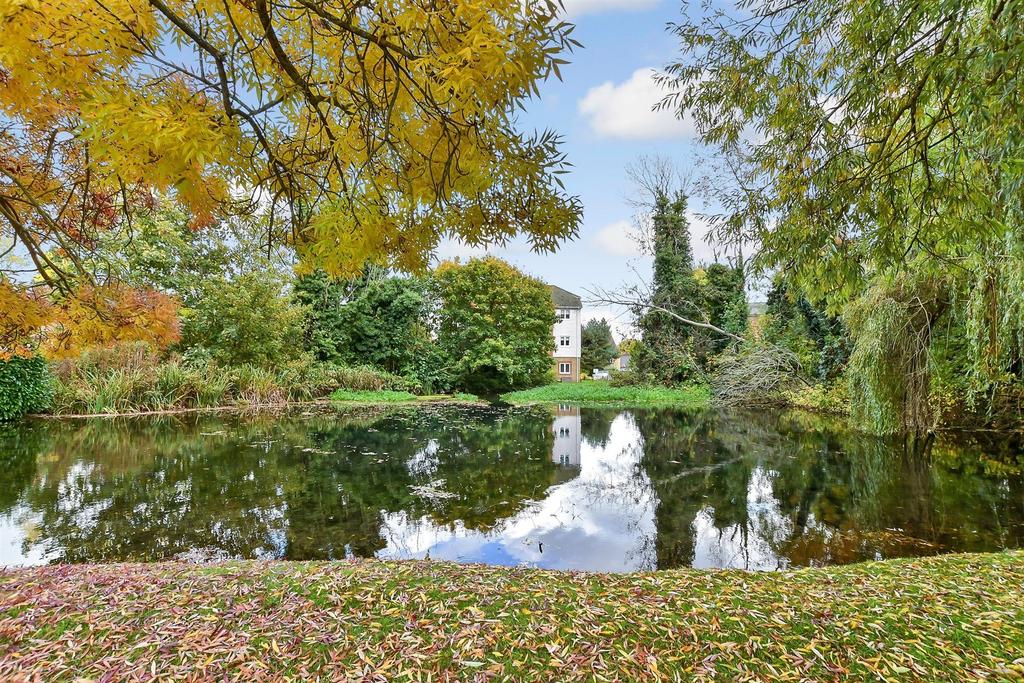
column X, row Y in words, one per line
column 130, row 378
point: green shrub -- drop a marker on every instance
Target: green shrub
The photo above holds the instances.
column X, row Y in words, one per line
column 372, row 319
column 258, row 386
column 213, row 390
column 629, row 378
column 370, row 379
column 245, row 320
column 827, row 397
column 25, row 387
column 308, row 379
column 430, row 371
column 121, row 378
column 129, row 356
column 674, row 362
column 495, row 325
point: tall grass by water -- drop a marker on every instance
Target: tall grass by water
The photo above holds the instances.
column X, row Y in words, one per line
column 132, row 378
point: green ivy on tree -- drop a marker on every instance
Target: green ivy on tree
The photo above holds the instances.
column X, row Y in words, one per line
column 672, row 350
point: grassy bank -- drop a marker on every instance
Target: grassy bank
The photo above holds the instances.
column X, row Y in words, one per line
column 958, row 617
column 383, row 396
column 603, row 392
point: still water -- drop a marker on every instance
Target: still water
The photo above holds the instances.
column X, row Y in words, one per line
column 560, row 487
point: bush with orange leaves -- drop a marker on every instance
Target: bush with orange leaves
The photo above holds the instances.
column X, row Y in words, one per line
column 22, row 317
column 89, row 317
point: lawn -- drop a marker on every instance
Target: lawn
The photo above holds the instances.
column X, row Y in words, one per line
column 603, row 392
column 384, row 396
column 958, row 617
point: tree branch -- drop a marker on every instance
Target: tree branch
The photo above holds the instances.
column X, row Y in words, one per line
column 610, row 298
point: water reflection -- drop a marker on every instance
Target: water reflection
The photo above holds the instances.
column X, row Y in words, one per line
column 566, row 427
column 600, row 516
column 563, row 487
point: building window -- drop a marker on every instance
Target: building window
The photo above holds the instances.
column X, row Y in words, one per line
column 563, row 341
column 564, row 314
column 564, row 368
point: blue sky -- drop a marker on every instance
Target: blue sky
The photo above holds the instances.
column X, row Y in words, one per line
column 602, row 107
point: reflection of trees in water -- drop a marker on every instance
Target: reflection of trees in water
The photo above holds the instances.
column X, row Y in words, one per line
column 832, row 496
column 147, row 489
column 300, row 486
column 873, row 496
column 19, row 447
column 786, row 486
column 691, row 467
column 491, row 463
column 596, row 425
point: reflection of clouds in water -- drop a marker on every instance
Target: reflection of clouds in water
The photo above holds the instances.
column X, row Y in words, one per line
column 423, row 463
column 17, row 526
column 20, row 542
column 265, row 528
column 411, row 537
column 602, row 519
column 752, row 544
column 71, row 496
column 736, row 490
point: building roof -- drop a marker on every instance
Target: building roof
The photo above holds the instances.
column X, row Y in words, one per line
column 564, row 299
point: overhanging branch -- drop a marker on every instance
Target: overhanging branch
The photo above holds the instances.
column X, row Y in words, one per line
column 613, row 299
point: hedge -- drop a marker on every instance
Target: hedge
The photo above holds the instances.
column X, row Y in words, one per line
column 25, row 387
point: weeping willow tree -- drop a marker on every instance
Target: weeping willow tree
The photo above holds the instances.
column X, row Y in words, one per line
column 891, row 364
column 879, row 156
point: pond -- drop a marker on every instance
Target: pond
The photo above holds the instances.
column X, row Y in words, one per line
column 558, row 487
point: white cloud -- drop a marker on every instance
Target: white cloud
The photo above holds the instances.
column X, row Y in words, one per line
column 626, row 110
column 452, row 248
column 576, row 8
column 619, row 239
column 700, row 241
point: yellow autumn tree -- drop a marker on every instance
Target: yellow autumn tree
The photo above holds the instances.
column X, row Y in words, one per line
column 374, row 127
column 370, row 128
column 22, row 317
